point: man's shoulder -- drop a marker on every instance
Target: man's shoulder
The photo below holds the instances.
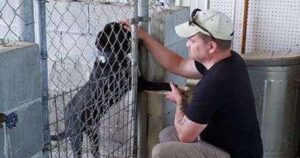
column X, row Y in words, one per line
column 238, row 57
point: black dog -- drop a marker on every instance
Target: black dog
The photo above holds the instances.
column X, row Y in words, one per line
column 109, row 81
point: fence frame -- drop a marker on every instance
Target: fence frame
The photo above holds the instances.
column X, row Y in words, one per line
column 41, row 11
column 134, row 61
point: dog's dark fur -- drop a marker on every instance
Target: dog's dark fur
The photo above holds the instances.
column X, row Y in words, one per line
column 108, row 82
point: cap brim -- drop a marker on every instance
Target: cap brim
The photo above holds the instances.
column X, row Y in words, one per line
column 185, row 30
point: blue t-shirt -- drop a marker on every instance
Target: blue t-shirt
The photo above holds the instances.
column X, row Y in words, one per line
column 224, row 100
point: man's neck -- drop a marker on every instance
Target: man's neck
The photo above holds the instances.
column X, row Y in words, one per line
column 216, row 57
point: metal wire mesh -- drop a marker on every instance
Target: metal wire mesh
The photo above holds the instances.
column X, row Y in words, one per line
column 161, row 5
column 16, row 21
column 90, row 104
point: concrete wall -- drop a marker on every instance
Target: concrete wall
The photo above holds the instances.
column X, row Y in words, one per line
column 20, row 92
column 161, row 112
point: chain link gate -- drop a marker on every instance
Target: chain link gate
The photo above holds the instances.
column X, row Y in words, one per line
column 91, row 79
column 73, row 84
column 90, row 75
column 66, row 32
column 70, row 65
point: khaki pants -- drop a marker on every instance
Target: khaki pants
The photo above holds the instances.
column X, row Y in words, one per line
column 170, row 147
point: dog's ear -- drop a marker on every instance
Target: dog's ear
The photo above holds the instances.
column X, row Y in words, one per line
column 127, row 33
column 125, row 40
column 106, row 38
column 128, row 42
column 101, row 41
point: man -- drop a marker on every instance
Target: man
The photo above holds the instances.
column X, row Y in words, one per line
column 222, row 110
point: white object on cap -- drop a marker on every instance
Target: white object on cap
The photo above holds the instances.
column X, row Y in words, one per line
column 217, row 23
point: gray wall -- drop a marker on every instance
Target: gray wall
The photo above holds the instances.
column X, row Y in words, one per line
column 161, row 112
column 20, row 92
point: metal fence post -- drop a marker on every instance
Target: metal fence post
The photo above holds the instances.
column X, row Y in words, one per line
column 143, row 11
column 137, row 107
column 26, row 20
column 41, row 11
column 207, row 4
column 134, row 63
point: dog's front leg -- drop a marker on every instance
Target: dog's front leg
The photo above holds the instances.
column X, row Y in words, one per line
column 94, row 139
column 76, row 137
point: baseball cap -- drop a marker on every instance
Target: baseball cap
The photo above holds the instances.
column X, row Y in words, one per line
column 210, row 22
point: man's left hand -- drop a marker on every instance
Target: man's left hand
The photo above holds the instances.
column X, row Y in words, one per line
column 176, row 96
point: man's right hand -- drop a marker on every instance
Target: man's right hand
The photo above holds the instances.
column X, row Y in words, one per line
column 142, row 34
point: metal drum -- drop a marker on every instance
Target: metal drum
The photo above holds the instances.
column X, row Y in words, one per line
column 275, row 82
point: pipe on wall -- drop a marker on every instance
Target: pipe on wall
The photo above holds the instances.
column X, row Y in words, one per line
column 25, row 24
column 245, row 23
column 233, row 17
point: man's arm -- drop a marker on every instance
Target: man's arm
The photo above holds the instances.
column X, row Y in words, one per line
column 165, row 57
column 169, row 59
column 187, row 130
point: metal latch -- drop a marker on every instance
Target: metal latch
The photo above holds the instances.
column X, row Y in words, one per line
column 144, row 19
column 140, row 19
column 10, row 120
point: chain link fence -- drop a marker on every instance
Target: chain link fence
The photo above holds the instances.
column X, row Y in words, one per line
column 16, row 21
column 91, row 76
column 91, row 103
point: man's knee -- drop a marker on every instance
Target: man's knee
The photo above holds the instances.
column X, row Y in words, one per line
column 164, row 133
column 168, row 134
column 160, row 151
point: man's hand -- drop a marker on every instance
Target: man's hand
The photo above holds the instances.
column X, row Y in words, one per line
column 177, row 97
column 141, row 32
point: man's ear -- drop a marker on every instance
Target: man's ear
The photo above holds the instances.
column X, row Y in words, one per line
column 212, row 46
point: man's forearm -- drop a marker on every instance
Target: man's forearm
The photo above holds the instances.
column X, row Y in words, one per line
column 165, row 57
column 186, row 131
column 179, row 119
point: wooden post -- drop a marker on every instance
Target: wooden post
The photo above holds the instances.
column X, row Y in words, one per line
column 245, row 20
